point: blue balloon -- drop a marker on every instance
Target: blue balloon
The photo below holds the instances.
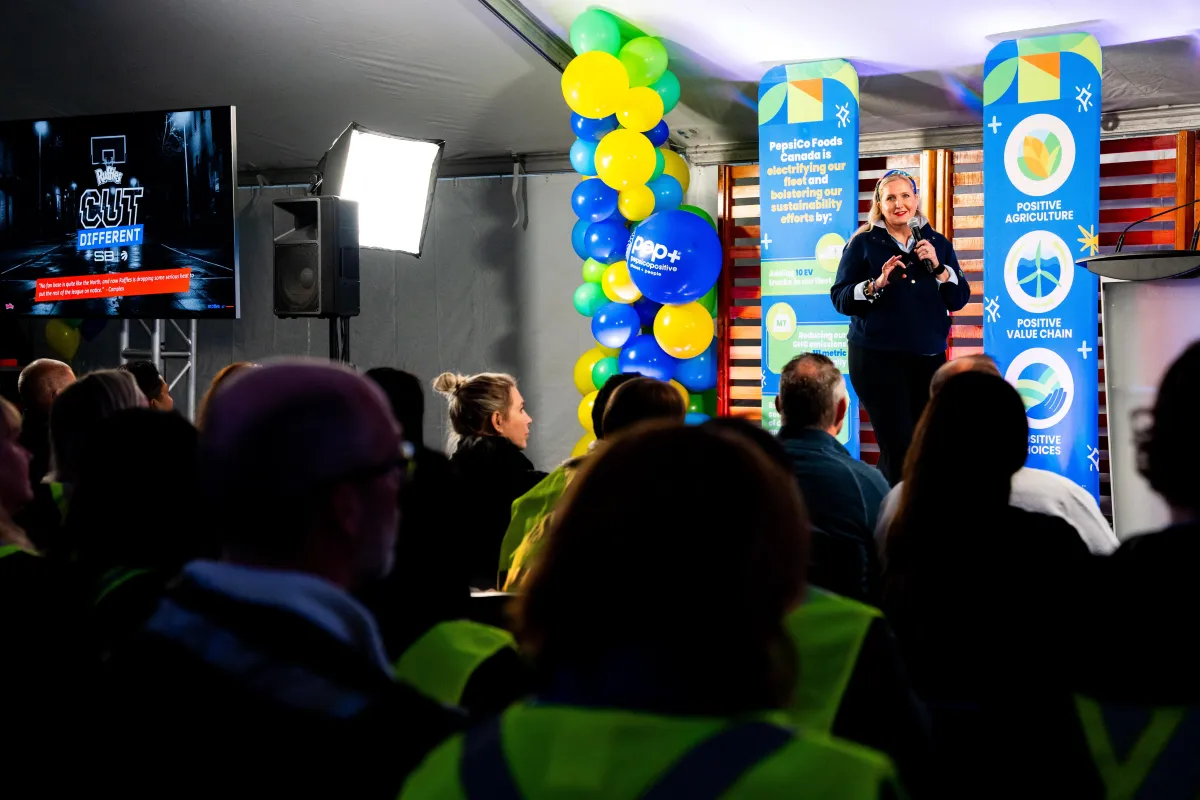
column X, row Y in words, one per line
column 699, row 373
column 659, row 134
column 593, row 130
column 668, row 193
column 643, row 356
column 579, row 238
column 594, row 200
column 695, row 419
column 607, row 240
column 615, row 324
column 674, row 256
column 647, row 310
column 583, row 157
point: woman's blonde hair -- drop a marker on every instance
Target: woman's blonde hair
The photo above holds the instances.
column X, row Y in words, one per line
column 79, row 409
column 217, row 382
column 473, row 400
column 876, row 212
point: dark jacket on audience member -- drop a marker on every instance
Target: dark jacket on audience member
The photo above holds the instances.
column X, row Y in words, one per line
column 494, row 473
column 277, row 687
column 843, row 496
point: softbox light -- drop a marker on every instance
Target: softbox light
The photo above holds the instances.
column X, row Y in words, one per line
column 392, row 180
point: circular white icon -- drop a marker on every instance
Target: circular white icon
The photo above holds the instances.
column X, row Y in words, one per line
column 1039, row 154
column 1045, row 384
column 1039, row 271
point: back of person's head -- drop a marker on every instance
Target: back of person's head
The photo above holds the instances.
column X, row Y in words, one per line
column 642, row 400
column 761, row 438
column 302, row 463
column 475, row 400
column 79, row 409
column 978, row 362
column 150, row 382
column 15, row 491
column 138, row 453
column 404, row 393
column 603, row 396
column 932, row 504
column 1167, row 446
column 41, row 382
column 219, row 380
column 811, row 390
column 640, row 565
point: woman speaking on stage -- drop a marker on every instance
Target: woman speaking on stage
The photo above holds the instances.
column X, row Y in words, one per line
column 898, row 281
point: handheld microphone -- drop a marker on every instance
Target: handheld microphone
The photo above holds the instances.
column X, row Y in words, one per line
column 914, row 225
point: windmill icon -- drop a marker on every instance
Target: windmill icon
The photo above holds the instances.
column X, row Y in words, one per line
column 1038, row 273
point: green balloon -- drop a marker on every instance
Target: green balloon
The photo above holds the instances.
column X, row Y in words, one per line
column 660, row 164
column 73, row 323
column 710, row 402
column 588, row 299
column 595, row 30
column 605, row 368
column 668, row 89
column 699, row 212
column 593, row 270
column 709, row 301
column 645, row 60
column 696, row 404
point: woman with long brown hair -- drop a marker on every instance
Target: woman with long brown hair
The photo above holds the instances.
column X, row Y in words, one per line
column 654, row 687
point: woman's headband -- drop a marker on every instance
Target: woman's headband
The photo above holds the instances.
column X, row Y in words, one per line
column 894, row 173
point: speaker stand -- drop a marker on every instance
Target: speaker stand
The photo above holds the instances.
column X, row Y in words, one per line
column 339, row 339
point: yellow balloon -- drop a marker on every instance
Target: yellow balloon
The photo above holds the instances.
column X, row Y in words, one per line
column 62, row 338
column 618, row 284
column 641, row 109
column 585, row 411
column 683, row 392
column 683, row 331
column 636, row 203
column 676, row 167
column 583, row 370
column 608, row 351
column 625, row 158
column 583, row 446
column 594, row 84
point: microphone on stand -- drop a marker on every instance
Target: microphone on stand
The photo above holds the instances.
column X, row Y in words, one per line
column 1121, row 238
column 914, row 225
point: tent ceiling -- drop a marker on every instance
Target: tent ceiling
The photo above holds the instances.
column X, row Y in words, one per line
column 300, row 70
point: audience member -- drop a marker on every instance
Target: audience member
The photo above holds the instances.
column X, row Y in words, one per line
column 219, row 380
column 38, row 385
column 128, row 562
column 41, row 639
column 632, row 402
column 422, row 604
column 260, row 671
column 489, row 429
column 531, row 508
column 974, row 586
column 151, row 383
column 76, row 413
column 852, row 681
column 671, row 685
column 843, row 494
column 1037, row 490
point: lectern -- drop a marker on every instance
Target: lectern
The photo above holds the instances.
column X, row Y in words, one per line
column 1150, row 306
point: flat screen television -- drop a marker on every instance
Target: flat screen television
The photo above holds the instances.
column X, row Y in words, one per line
column 120, row 215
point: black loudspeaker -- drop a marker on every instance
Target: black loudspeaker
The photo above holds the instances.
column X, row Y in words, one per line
column 316, row 257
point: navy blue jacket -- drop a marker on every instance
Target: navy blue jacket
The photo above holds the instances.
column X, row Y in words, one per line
column 911, row 313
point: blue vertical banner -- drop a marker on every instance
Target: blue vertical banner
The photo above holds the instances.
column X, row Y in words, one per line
column 808, row 196
column 1041, row 167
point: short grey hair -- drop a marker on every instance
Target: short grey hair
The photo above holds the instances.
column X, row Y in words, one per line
column 810, row 388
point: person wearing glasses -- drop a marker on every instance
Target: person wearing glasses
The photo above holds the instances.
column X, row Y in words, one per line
column 898, row 281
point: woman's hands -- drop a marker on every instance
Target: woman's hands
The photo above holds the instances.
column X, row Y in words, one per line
column 889, row 265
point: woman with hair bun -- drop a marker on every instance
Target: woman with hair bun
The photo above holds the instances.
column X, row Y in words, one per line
column 489, row 429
